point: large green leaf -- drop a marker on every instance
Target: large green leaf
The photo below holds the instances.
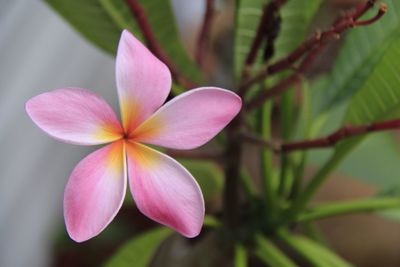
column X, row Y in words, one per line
column 101, row 22
column 139, row 251
column 362, row 49
column 91, row 20
column 377, row 99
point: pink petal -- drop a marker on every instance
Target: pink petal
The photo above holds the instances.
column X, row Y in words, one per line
column 190, row 120
column 164, row 190
column 75, row 115
column 143, row 81
column 95, row 192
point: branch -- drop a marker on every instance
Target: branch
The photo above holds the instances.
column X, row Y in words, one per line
column 152, row 43
column 326, row 141
column 204, row 36
column 267, row 20
column 342, row 133
column 341, row 25
column 268, row 29
column 257, row 140
column 285, row 84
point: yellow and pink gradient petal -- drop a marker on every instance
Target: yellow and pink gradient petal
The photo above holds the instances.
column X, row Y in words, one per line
column 95, row 192
column 191, row 119
column 75, row 115
column 164, row 190
column 143, row 81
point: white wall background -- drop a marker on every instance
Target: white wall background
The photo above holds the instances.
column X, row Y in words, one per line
column 40, row 52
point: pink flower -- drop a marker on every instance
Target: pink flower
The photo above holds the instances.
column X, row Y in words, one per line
column 162, row 188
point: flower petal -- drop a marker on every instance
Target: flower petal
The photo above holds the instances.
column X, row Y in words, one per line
column 191, row 119
column 95, row 192
column 143, row 81
column 75, row 115
column 164, row 190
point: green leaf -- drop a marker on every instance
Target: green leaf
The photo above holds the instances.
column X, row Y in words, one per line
column 350, row 207
column 162, row 22
column 377, row 99
column 102, row 21
column 366, row 106
column 270, row 254
column 91, row 20
column 240, row 256
column 208, row 174
column 139, row 250
column 247, row 18
column 296, row 16
column 359, row 55
column 313, row 252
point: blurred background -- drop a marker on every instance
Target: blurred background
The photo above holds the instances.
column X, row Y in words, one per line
column 40, row 52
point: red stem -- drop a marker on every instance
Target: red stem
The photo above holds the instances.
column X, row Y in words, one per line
column 340, row 134
column 316, row 40
column 204, row 36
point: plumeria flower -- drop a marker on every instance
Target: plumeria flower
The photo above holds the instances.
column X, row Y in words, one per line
column 162, row 188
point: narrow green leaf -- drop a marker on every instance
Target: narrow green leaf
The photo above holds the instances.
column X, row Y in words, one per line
column 359, row 54
column 139, row 251
column 270, row 254
column 240, row 256
column 350, row 207
column 313, row 252
column 91, row 20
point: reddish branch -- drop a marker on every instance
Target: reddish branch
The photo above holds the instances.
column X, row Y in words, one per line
column 326, row 141
column 204, row 35
column 286, row 83
column 268, row 28
column 265, row 21
column 342, row 133
column 317, row 40
column 145, row 28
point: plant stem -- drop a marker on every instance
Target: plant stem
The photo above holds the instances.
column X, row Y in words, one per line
column 340, row 134
column 267, row 179
column 330, row 140
column 349, row 207
column 240, row 256
column 204, row 36
column 233, row 158
column 301, row 201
